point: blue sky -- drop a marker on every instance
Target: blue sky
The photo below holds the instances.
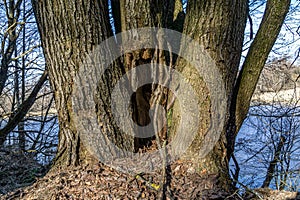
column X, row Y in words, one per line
column 288, row 42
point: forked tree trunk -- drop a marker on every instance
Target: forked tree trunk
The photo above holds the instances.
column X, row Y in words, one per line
column 71, row 29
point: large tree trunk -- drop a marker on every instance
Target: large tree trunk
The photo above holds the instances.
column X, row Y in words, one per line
column 69, row 31
column 218, row 26
column 67, row 42
column 72, row 29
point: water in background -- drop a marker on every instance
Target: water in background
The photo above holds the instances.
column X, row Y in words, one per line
column 259, row 139
column 41, row 135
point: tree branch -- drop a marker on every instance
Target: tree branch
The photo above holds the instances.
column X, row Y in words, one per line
column 23, row 109
column 275, row 13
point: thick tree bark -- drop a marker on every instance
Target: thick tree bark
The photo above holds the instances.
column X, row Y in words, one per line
column 68, row 34
column 218, row 26
column 69, row 31
column 140, row 14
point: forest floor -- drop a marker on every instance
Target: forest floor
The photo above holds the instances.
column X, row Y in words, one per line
column 22, row 178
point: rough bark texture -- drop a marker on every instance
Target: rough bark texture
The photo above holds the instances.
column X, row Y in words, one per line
column 137, row 14
column 218, row 26
column 69, row 31
column 140, row 14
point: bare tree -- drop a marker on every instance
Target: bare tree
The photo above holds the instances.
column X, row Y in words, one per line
column 26, row 94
